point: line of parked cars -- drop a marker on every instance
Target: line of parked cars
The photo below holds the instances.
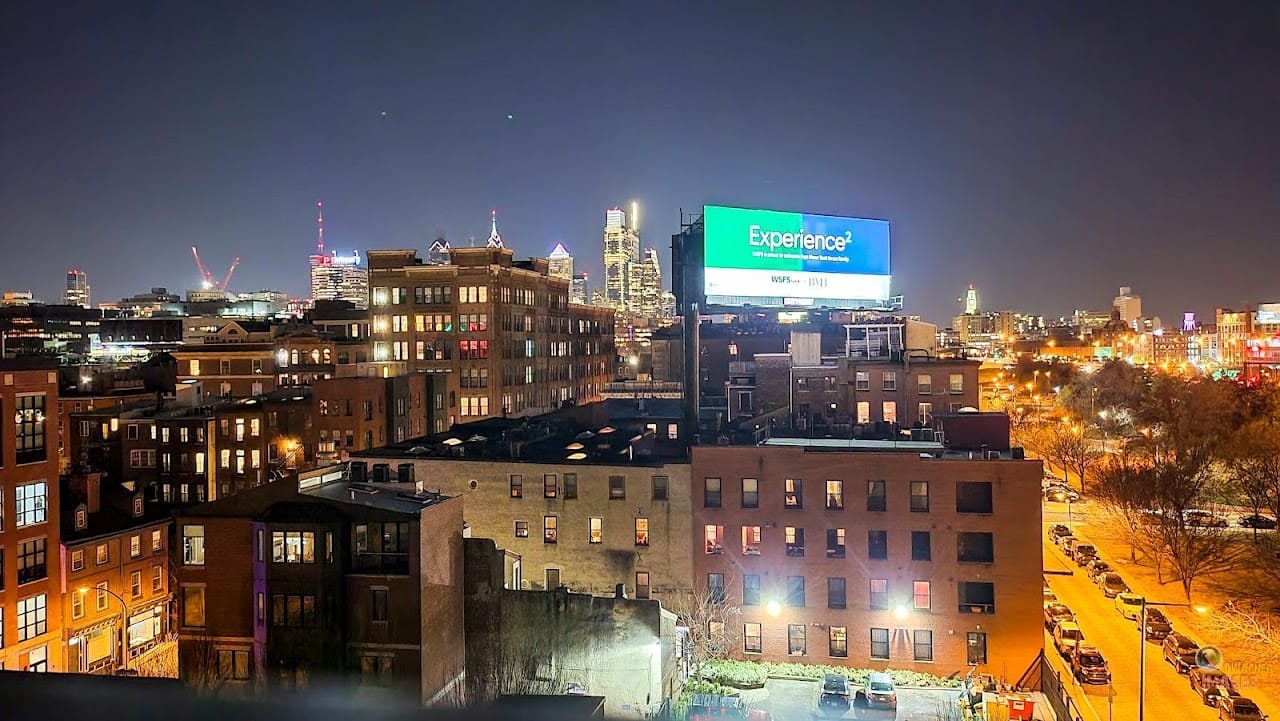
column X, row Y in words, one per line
column 1213, row 686
column 835, row 696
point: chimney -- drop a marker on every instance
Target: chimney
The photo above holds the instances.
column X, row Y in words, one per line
column 620, row 590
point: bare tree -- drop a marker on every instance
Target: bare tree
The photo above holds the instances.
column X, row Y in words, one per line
column 1248, row 625
column 1068, row 448
column 714, row 623
column 198, row 664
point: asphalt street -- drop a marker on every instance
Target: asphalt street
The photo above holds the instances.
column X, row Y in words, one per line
column 1168, row 694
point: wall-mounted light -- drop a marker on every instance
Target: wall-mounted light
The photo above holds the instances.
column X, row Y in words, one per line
column 900, row 613
column 774, row 608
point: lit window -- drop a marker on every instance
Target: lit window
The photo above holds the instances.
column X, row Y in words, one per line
column 642, row 531
column 193, row 545
column 595, row 530
column 549, row 529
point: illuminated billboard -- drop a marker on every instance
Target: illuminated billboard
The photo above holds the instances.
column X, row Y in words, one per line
column 778, row 258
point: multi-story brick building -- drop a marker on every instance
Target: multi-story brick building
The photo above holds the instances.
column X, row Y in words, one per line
column 584, row 507
column 30, row 623
column 884, row 380
column 313, row 577
column 845, row 552
column 117, row 604
column 502, row 330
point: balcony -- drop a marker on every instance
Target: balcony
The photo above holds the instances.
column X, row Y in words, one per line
column 383, row 563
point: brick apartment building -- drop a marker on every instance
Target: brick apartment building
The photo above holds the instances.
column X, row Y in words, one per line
column 857, row 555
column 316, row 578
column 185, row 450
column 503, row 331
column 30, row 595
column 586, row 508
column 886, row 377
column 117, row 604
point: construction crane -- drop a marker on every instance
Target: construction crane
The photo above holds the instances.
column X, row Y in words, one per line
column 206, row 278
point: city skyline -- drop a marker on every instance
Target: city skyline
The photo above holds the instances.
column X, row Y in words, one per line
column 1022, row 140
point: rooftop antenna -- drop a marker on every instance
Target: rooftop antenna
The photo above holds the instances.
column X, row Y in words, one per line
column 319, row 227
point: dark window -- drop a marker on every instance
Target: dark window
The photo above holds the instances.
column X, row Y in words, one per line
column 975, row 547
column 379, row 607
column 793, row 496
column 977, row 654
column 880, row 643
column 836, row 597
column 548, row 485
column 750, row 493
column 835, row 543
column 977, row 597
column 796, row 639
column 879, row 594
column 795, row 541
column 838, row 642
column 660, row 487
column 973, row 497
column 516, row 481
column 617, row 487
column 923, row 645
column 877, row 545
column 751, row 638
column 380, row 547
column 570, row 485
column 920, row 496
column 751, row 590
column 31, row 561
column 711, row 493
column 875, row 496
column 795, row 591
column 715, row 587
column 293, row 611
column 920, row 547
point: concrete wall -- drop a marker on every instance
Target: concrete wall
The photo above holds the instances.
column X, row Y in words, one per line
column 541, row 641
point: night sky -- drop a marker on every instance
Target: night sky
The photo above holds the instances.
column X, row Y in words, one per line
column 1047, row 152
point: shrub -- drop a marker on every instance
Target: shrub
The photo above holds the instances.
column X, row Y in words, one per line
column 752, row 674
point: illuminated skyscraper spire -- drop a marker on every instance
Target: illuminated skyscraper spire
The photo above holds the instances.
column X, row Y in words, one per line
column 971, row 301
column 319, row 227
column 495, row 240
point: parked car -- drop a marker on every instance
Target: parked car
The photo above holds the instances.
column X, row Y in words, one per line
column 1210, row 683
column 1057, row 530
column 1049, row 595
column 1083, row 553
column 1061, row 541
column 1180, row 652
column 1238, row 708
column 835, row 695
column 1055, row 613
column 1129, row 605
column 1066, row 636
column 1253, row 521
column 1205, row 519
column 1111, row 584
column 1097, row 567
column 1088, row 665
column 712, row 707
column 1069, row 545
column 1061, row 494
column 879, row 691
column 1158, row 626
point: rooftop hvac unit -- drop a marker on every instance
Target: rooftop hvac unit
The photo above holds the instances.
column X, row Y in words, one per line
column 359, row 472
column 404, row 473
column 993, row 455
column 381, row 473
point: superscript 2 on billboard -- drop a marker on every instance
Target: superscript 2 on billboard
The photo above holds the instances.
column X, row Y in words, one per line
column 772, row 257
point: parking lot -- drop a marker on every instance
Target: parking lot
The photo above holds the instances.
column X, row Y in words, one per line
column 793, row 701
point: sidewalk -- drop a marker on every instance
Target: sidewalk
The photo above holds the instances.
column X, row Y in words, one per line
column 1258, row 678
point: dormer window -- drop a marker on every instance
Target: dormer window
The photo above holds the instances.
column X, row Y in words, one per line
column 137, row 506
column 82, row 517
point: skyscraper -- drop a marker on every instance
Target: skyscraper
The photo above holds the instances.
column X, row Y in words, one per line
column 621, row 255
column 971, row 301
column 647, row 293
column 438, row 253
column 560, row 263
column 77, row 288
column 578, row 289
column 337, row 277
column 1129, row 305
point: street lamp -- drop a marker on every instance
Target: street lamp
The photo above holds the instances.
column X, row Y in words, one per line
column 1142, row 648
column 124, row 620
